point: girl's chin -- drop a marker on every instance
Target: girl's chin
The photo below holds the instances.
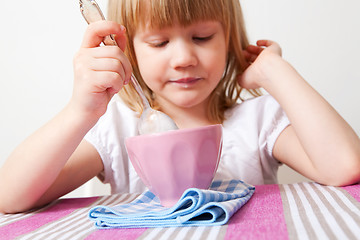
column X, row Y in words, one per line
column 183, row 99
column 186, row 103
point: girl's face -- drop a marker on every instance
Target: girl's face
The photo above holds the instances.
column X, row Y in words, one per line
column 182, row 65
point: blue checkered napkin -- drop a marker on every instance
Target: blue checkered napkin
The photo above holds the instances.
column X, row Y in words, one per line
column 196, row 207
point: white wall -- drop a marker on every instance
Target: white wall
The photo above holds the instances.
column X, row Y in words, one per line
column 37, row 43
column 319, row 37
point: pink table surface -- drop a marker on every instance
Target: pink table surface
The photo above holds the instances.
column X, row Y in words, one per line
column 289, row 211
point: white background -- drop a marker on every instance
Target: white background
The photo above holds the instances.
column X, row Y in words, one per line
column 320, row 38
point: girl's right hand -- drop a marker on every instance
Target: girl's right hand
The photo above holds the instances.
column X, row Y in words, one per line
column 99, row 71
column 259, row 58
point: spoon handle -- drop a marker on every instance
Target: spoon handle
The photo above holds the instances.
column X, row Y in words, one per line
column 139, row 90
column 92, row 13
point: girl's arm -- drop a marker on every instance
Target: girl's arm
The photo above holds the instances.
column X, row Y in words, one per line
column 51, row 162
column 35, row 165
column 319, row 143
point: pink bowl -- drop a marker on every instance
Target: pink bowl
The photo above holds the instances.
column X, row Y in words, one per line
column 171, row 162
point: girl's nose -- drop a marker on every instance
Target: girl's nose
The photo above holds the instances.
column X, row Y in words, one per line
column 183, row 55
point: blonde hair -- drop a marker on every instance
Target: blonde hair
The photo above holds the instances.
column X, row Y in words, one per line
column 163, row 13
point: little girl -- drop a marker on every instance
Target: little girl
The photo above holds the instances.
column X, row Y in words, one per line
column 193, row 60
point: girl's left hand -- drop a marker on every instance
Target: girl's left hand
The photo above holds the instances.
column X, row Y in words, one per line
column 259, row 58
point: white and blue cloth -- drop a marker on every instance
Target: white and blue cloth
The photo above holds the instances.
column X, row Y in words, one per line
column 196, row 207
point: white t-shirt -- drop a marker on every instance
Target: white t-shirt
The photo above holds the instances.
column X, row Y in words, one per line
column 249, row 133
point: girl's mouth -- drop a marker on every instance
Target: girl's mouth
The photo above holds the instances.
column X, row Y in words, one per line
column 185, row 82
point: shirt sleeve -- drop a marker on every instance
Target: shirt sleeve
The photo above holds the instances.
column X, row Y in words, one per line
column 276, row 125
column 273, row 122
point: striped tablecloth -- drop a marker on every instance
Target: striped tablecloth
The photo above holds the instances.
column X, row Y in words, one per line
column 291, row 211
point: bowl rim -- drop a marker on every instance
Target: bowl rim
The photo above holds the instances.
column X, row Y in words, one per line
column 177, row 131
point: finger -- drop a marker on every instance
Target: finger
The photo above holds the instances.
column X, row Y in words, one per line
column 264, row 43
column 108, row 64
column 113, row 52
column 121, row 40
column 252, row 52
column 270, row 44
column 122, row 68
column 254, row 49
column 96, row 32
column 252, row 58
column 106, row 52
column 105, row 80
column 247, row 55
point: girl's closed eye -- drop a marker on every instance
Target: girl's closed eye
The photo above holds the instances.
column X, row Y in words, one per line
column 163, row 43
column 158, row 44
column 203, row 39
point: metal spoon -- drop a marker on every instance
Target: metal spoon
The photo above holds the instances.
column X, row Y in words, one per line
column 151, row 120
